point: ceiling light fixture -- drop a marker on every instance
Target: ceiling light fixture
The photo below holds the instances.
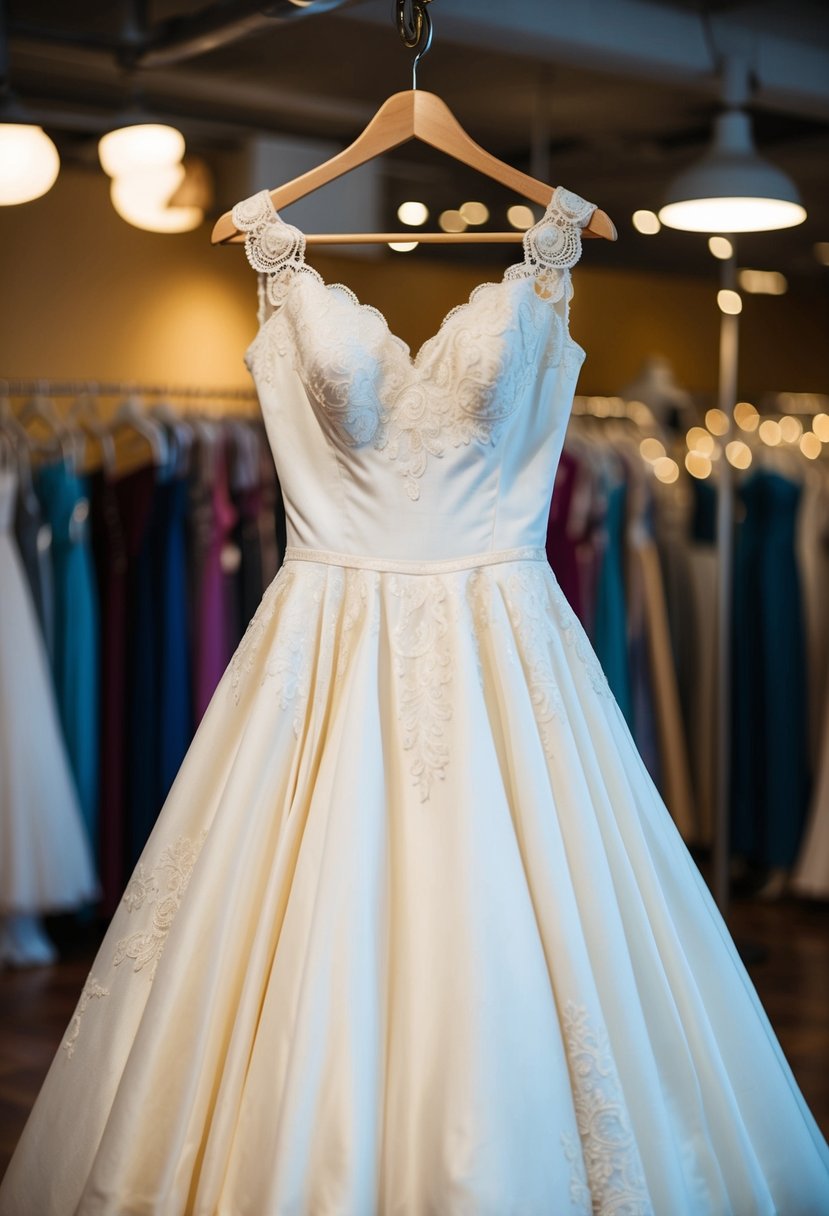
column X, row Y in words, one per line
column 732, row 188
column 29, row 163
column 143, row 200
column 144, row 145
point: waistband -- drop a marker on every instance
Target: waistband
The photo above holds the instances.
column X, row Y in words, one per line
column 402, row 566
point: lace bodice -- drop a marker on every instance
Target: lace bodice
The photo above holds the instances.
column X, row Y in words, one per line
column 449, row 451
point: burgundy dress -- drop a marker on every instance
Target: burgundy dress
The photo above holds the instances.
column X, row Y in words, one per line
column 121, row 513
column 211, row 629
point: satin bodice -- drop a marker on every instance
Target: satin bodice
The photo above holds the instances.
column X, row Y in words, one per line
column 447, row 452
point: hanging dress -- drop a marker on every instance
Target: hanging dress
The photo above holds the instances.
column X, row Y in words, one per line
column 414, row 932
column 64, row 497
column 46, row 861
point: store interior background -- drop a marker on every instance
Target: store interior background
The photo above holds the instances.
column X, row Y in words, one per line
column 610, row 99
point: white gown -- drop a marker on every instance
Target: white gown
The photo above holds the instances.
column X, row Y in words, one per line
column 414, row 934
column 45, row 858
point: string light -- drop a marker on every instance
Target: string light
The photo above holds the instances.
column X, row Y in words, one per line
column 452, row 221
column 720, row 247
column 729, row 302
column 746, row 416
column 520, row 216
column 790, row 429
column 716, row 421
column 810, row 445
column 413, row 213
column 698, row 465
column 666, row 470
column 820, row 426
column 738, row 454
column 646, row 222
column 651, row 450
column 474, row 213
column 699, row 440
column 769, row 432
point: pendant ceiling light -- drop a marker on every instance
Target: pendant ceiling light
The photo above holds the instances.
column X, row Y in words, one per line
column 29, row 163
column 732, row 188
column 145, row 200
column 144, row 161
column 134, row 148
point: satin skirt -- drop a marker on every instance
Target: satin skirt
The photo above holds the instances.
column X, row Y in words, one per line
column 415, row 935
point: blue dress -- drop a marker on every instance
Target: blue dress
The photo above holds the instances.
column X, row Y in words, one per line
column 65, row 502
column 611, row 640
column 770, row 774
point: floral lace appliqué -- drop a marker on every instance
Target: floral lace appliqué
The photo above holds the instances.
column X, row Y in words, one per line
column 91, row 990
column 574, row 636
column 421, row 644
column 245, row 656
column 361, row 596
column 164, row 889
column 608, row 1168
column 526, row 600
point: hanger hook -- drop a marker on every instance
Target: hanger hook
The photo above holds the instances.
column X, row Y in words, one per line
column 414, row 25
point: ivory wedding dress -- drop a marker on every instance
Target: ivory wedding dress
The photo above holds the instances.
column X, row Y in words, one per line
column 414, row 934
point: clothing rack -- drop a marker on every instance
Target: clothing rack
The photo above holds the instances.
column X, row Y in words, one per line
column 121, row 388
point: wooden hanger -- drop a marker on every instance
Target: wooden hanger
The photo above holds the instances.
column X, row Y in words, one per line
column 412, row 114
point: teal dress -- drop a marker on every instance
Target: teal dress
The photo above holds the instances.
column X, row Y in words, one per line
column 65, row 503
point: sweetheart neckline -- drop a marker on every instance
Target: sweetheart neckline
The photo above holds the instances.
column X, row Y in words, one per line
column 510, row 274
column 413, row 361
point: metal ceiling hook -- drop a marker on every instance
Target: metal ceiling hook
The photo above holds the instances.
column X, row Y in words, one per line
column 414, row 26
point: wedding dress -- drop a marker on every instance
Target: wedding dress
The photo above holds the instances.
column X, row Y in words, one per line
column 414, row 934
column 46, row 862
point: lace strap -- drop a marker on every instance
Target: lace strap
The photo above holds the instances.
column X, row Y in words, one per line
column 273, row 247
column 552, row 247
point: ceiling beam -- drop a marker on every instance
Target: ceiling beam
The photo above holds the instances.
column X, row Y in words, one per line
column 640, row 38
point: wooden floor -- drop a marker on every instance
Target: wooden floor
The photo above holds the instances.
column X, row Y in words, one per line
column 793, row 982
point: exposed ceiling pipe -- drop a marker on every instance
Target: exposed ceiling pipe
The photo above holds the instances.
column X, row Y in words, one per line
column 217, row 25
column 181, row 38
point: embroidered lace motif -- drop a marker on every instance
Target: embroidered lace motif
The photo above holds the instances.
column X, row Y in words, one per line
column 526, row 600
column 163, row 890
column 91, row 990
column 172, row 873
column 534, row 599
column 245, row 654
column 606, row 1166
column 461, row 386
column 423, row 661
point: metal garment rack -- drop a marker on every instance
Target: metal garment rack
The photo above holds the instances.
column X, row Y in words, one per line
column 121, row 388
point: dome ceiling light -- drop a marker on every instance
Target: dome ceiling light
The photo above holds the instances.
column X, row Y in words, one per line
column 29, row 163
column 732, row 188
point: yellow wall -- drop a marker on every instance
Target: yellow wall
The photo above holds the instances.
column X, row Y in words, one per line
column 85, row 295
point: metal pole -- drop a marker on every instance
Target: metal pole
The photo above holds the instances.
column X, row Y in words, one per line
column 729, row 353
